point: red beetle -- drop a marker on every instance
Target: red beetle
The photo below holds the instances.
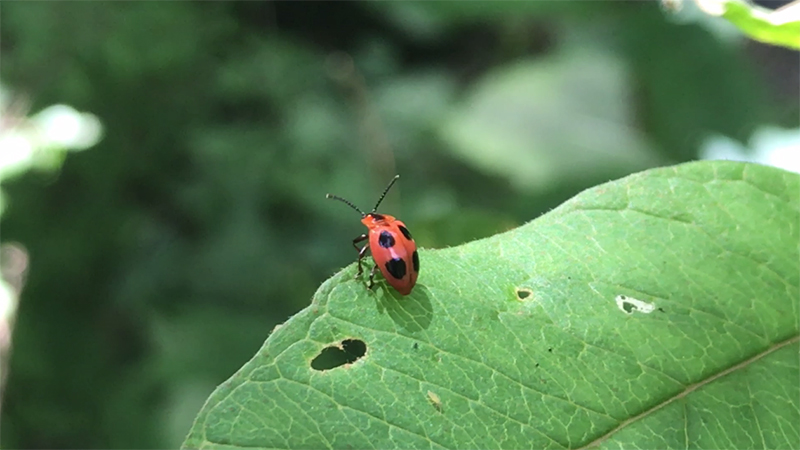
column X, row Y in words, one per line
column 391, row 245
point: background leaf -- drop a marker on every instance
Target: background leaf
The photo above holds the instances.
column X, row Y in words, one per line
column 656, row 311
column 512, row 123
column 778, row 27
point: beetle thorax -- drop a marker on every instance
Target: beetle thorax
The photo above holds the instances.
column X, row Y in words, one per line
column 374, row 220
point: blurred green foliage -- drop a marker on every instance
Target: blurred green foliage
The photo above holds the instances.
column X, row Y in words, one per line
column 780, row 27
column 162, row 258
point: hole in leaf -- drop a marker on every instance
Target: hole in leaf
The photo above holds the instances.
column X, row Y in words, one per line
column 629, row 304
column 523, row 293
column 348, row 352
column 627, row 307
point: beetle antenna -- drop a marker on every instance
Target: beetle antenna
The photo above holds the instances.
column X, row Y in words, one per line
column 346, row 202
column 391, row 183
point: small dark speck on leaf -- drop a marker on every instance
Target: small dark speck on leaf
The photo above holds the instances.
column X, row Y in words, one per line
column 416, row 346
column 550, row 349
column 661, row 309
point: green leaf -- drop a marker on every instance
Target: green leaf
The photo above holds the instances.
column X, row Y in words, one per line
column 510, row 124
column 656, row 311
column 779, row 27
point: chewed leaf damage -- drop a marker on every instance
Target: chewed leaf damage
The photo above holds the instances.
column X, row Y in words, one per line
column 629, row 305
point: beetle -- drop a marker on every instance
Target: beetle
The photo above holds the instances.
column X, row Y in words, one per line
column 393, row 249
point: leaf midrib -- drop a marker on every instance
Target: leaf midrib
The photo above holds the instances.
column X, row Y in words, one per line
column 690, row 389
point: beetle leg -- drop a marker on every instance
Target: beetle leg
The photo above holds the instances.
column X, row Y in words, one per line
column 361, row 252
column 361, row 238
column 372, row 277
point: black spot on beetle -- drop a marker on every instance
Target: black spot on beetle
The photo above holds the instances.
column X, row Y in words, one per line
column 415, row 260
column 396, row 268
column 405, row 232
column 386, row 240
column 376, row 216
